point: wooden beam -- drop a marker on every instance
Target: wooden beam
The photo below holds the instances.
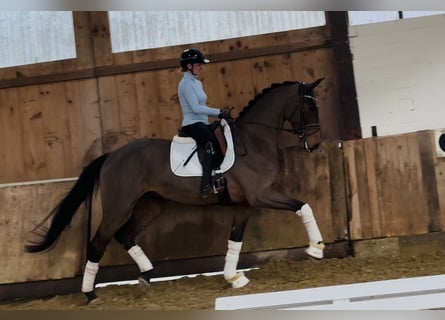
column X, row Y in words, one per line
column 347, row 115
column 100, row 34
column 105, row 68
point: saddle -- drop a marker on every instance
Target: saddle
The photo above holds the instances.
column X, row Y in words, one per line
column 185, row 157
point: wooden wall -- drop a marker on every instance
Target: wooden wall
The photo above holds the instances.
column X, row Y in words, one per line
column 57, row 116
column 22, row 208
column 395, row 186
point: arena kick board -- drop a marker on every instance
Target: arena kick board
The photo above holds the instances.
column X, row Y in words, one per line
column 417, row 293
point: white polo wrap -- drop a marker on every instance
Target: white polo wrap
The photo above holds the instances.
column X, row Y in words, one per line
column 140, row 258
column 232, row 257
column 309, row 222
column 89, row 276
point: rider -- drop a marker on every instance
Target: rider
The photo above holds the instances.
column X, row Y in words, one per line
column 195, row 123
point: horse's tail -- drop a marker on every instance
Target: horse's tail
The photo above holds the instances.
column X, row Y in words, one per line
column 45, row 238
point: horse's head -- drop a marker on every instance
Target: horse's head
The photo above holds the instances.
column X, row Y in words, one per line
column 304, row 117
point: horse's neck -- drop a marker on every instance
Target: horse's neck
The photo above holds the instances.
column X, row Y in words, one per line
column 260, row 131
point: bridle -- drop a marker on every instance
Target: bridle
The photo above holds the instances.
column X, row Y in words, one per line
column 303, row 132
column 306, row 130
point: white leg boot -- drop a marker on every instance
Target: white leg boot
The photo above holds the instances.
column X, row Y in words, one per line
column 316, row 245
column 236, row 279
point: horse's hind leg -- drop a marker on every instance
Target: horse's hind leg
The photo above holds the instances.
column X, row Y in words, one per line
column 127, row 234
column 236, row 279
column 115, row 214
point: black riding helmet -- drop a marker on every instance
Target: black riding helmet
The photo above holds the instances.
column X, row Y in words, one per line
column 191, row 56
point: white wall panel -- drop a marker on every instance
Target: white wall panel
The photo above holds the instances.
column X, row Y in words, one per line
column 135, row 30
column 35, row 36
column 399, row 69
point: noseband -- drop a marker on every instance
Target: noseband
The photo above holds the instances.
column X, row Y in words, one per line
column 306, row 130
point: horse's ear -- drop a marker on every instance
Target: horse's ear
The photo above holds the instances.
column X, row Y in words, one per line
column 312, row 85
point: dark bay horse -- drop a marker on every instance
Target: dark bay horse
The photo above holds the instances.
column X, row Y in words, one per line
column 142, row 168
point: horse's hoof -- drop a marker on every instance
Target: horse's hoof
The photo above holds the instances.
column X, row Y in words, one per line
column 239, row 280
column 91, row 297
column 315, row 250
column 143, row 283
column 95, row 302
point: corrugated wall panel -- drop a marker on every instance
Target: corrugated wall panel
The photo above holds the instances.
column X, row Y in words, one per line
column 36, row 36
column 135, row 30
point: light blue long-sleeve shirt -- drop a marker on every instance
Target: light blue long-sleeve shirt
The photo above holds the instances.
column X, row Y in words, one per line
column 193, row 101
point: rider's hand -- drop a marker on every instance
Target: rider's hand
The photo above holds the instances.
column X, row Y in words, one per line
column 225, row 114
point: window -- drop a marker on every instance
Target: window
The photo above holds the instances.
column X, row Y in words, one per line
column 135, row 30
column 36, row 36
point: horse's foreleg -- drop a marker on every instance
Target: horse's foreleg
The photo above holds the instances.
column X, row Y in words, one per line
column 275, row 200
column 144, row 264
column 316, row 245
column 236, row 279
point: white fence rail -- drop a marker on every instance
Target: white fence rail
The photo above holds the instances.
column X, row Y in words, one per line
column 418, row 293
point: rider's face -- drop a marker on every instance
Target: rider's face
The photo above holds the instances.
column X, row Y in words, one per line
column 196, row 68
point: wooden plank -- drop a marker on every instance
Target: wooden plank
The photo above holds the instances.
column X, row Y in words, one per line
column 170, row 114
column 440, row 178
column 265, row 71
column 239, row 91
column 84, row 45
column 11, row 137
column 400, row 167
column 83, row 131
column 109, row 111
column 32, row 132
column 128, row 109
column 373, row 195
column 100, row 33
column 360, row 222
column 49, row 78
column 72, row 69
column 55, row 120
column 23, row 207
column 149, row 118
column 87, row 121
column 428, row 179
column 338, row 190
column 337, row 24
column 227, row 86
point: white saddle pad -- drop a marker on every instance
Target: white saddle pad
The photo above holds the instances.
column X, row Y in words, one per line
column 182, row 147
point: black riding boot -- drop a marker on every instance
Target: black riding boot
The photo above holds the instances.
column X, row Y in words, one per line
column 206, row 181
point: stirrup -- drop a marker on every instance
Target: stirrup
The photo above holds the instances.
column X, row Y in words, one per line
column 206, row 191
column 219, row 183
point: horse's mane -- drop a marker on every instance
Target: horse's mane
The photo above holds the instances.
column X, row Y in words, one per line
column 260, row 95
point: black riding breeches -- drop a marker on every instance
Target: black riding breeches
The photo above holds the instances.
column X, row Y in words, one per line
column 201, row 133
column 206, row 140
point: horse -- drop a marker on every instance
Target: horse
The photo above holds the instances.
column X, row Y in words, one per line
column 140, row 168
